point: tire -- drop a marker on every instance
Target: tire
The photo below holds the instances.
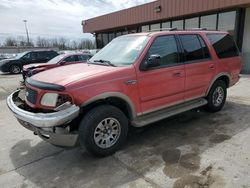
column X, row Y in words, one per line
column 15, row 69
column 98, row 139
column 217, row 96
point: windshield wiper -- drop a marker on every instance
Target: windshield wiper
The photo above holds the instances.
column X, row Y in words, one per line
column 105, row 61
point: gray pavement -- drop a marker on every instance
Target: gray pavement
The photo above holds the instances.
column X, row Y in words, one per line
column 194, row 149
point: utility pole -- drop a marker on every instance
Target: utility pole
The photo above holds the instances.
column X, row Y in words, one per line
column 27, row 33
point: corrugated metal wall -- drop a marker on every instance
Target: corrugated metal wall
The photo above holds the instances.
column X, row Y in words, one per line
column 169, row 9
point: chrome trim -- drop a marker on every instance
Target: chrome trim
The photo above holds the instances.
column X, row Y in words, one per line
column 42, row 119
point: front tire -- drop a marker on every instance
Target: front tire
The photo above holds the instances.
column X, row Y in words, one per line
column 103, row 130
column 15, row 69
column 217, row 96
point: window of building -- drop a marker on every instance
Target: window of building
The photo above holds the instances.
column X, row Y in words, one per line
column 192, row 23
column 224, row 45
column 193, row 48
column 155, row 26
column 125, row 32
column 118, row 34
column 178, row 24
column 209, row 22
column 99, row 40
column 105, row 39
column 111, row 36
column 166, row 25
column 145, row 28
column 227, row 21
column 166, row 47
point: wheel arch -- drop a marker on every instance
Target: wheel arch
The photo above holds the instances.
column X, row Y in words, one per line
column 117, row 99
column 222, row 76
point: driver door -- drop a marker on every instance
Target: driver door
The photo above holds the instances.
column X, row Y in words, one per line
column 163, row 85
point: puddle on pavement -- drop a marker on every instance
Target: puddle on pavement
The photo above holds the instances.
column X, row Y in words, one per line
column 218, row 138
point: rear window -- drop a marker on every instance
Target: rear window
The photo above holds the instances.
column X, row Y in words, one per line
column 224, row 45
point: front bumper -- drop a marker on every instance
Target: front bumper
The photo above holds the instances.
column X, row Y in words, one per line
column 46, row 125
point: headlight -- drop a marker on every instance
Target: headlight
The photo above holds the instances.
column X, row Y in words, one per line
column 54, row 99
column 49, row 99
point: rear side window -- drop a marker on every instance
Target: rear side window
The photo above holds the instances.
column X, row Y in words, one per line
column 194, row 48
column 224, row 45
column 166, row 47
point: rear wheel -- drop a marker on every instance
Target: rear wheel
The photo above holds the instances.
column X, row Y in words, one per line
column 217, row 96
column 15, row 69
column 103, row 130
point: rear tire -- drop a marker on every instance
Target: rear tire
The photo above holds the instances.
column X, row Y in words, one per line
column 217, row 96
column 103, row 130
column 15, row 69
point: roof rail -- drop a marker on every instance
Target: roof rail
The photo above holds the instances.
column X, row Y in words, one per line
column 176, row 29
column 163, row 29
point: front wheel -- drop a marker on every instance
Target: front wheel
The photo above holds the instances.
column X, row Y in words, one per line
column 217, row 96
column 103, row 130
column 15, row 69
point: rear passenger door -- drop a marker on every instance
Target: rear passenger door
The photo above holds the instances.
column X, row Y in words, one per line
column 199, row 66
column 162, row 86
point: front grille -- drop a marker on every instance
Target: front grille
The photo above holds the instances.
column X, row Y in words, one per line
column 31, row 95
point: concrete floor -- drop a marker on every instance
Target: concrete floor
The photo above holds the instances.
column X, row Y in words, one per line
column 194, row 149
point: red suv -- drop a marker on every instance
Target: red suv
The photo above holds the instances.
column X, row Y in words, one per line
column 135, row 80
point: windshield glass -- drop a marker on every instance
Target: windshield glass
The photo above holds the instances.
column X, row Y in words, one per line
column 56, row 59
column 122, row 51
column 20, row 55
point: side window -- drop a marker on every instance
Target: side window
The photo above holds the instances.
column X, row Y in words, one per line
column 70, row 59
column 42, row 55
column 194, row 48
column 166, row 47
column 83, row 57
column 224, row 45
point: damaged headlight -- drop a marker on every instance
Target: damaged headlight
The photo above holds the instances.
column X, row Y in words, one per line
column 49, row 99
column 54, row 99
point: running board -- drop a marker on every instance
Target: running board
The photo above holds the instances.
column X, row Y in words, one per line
column 168, row 112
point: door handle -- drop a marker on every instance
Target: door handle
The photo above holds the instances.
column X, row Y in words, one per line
column 211, row 67
column 177, row 74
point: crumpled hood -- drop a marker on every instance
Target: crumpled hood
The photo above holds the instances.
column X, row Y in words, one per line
column 65, row 75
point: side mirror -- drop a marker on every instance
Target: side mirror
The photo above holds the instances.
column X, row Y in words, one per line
column 152, row 61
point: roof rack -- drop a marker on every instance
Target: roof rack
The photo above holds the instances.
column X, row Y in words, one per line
column 176, row 29
column 164, row 29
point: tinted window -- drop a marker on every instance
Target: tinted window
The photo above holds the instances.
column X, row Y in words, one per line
column 194, row 48
column 209, row 22
column 70, row 59
column 166, row 47
column 192, row 23
column 224, row 45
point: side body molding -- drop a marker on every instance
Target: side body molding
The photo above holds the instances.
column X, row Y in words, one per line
column 112, row 94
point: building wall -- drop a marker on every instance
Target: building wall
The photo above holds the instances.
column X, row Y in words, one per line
column 169, row 9
column 246, row 44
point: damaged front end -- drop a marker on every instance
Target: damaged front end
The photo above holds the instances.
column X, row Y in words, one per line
column 53, row 127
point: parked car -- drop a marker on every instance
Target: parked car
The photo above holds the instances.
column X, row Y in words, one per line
column 60, row 60
column 135, row 80
column 15, row 65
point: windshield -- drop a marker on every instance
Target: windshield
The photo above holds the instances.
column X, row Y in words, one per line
column 56, row 59
column 20, row 55
column 121, row 51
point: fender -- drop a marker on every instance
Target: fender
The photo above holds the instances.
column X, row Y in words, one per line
column 112, row 94
column 216, row 77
